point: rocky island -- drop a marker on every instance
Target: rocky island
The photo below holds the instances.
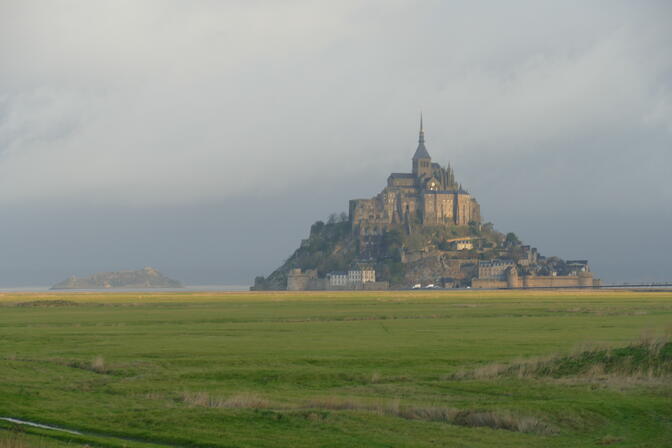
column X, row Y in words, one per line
column 143, row 278
column 424, row 229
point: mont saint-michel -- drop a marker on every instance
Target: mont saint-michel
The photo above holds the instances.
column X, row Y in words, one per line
column 424, row 229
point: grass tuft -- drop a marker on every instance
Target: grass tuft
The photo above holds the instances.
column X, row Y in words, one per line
column 15, row 439
column 237, row 401
column 649, row 358
column 470, row 418
column 96, row 365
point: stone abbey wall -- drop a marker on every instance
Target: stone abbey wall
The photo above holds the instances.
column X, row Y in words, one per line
column 439, row 207
column 390, row 207
column 469, row 210
column 426, row 207
column 449, row 207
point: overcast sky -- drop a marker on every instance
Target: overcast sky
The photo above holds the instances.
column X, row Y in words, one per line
column 204, row 137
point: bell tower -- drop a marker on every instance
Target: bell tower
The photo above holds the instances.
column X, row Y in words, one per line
column 422, row 162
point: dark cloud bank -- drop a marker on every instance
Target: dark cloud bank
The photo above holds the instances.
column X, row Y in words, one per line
column 203, row 138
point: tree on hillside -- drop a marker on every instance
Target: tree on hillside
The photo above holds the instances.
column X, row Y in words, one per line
column 511, row 240
column 316, row 228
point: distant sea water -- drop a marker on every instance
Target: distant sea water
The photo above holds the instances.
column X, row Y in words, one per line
column 188, row 288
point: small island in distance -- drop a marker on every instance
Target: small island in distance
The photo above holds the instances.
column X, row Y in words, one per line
column 144, row 278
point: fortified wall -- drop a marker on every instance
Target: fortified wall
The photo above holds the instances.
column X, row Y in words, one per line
column 513, row 280
column 304, row 281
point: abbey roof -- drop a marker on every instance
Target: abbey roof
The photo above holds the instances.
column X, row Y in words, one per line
column 421, row 152
column 402, row 175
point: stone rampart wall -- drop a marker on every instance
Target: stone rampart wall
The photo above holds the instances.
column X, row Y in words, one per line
column 489, row 284
column 376, row 286
column 297, row 282
column 569, row 281
column 583, row 280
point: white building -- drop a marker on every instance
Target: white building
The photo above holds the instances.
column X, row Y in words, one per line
column 337, row 279
column 463, row 244
column 368, row 276
column 353, row 279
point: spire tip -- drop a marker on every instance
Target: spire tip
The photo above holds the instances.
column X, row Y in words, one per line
column 422, row 130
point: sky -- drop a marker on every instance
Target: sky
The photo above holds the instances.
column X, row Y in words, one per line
column 204, row 137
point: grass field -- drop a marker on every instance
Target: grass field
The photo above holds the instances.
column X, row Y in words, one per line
column 369, row 369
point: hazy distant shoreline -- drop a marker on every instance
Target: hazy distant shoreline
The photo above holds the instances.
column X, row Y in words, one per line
column 185, row 289
column 241, row 288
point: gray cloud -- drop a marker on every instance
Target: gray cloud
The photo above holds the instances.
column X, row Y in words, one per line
column 556, row 116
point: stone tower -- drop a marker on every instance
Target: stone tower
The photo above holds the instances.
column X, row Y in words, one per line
column 422, row 162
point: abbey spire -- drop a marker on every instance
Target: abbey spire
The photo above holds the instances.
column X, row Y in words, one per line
column 422, row 162
column 421, row 152
column 421, row 139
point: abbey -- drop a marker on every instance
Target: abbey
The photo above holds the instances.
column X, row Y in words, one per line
column 428, row 196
